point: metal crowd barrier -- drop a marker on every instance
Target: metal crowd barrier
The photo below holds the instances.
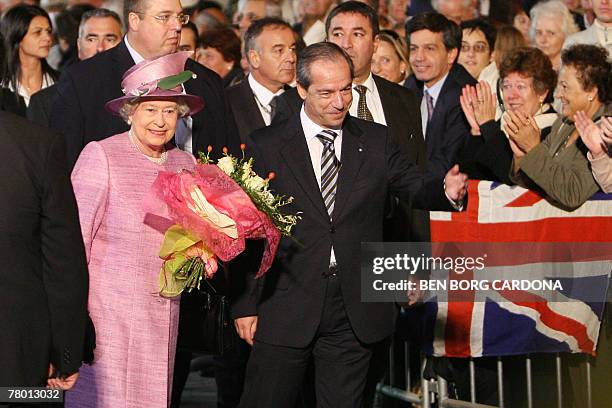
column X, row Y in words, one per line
column 434, row 393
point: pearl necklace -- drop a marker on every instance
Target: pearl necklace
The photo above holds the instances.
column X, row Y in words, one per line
column 157, row 160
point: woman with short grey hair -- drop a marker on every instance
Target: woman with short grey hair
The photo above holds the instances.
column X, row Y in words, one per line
column 551, row 24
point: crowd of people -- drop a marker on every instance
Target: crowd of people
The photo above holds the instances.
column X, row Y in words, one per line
column 370, row 113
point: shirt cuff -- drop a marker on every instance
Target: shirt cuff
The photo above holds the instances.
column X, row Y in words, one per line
column 457, row 205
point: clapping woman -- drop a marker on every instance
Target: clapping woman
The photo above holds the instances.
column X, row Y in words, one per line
column 527, row 83
column 558, row 166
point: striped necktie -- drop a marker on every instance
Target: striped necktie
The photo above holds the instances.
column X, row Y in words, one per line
column 430, row 106
column 330, row 166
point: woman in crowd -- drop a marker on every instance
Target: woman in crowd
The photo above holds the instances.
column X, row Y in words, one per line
column 598, row 139
column 390, row 60
column 507, row 39
column 527, row 83
column 477, row 45
column 136, row 329
column 27, row 39
column 220, row 51
column 551, row 23
column 558, row 166
column 520, row 20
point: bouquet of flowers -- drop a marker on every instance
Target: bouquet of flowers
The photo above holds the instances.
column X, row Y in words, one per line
column 215, row 208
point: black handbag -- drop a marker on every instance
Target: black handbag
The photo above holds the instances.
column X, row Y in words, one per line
column 205, row 325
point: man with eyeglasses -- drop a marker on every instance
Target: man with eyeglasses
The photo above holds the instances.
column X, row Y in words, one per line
column 476, row 46
column 153, row 30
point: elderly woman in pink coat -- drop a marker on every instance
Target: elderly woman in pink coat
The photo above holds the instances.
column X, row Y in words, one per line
column 136, row 328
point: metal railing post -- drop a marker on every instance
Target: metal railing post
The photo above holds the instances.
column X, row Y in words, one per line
column 472, row 381
column 500, row 381
column 529, row 389
column 559, row 384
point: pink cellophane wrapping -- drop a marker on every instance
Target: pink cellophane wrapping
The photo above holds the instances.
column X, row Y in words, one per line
column 228, row 198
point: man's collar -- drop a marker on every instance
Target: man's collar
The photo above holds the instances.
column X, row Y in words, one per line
column 434, row 91
column 311, row 129
column 368, row 83
column 135, row 55
column 263, row 94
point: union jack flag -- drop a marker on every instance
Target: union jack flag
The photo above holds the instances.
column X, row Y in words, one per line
column 498, row 322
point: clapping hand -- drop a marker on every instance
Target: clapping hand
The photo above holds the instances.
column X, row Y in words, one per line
column 455, row 184
column 522, row 130
column 478, row 105
column 592, row 135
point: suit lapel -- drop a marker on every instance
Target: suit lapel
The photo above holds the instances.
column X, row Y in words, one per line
column 251, row 116
column 122, row 61
column 353, row 154
column 297, row 158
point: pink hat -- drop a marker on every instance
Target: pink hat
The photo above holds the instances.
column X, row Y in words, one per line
column 160, row 78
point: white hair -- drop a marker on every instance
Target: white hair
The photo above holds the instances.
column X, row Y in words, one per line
column 129, row 107
column 466, row 4
column 272, row 7
column 553, row 10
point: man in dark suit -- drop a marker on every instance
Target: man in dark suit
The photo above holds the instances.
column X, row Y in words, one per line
column 99, row 30
column 44, row 281
column 437, row 80
column 153, row 30
column 269, row 46
column 338, row 169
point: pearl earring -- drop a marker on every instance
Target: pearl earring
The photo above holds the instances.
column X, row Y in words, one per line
column 590, row 99
column 129, row 122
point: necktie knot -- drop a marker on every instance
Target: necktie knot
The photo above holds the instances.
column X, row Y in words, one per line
column 327, row 137
column 361, row 89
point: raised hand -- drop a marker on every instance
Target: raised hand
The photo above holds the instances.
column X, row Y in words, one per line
column 485, row 105
column 590, row 134
column 468, row 110
column 455, row 184
column 522, row 130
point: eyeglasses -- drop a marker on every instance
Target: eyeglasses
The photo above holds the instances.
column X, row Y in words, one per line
column 478, row 48
column 167, row 19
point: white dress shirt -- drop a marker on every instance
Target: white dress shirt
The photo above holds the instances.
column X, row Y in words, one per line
column 315, row 149
column 372, row 100
column 434, row 92
column 183, row 133
column 47, row 81
column 263, row 97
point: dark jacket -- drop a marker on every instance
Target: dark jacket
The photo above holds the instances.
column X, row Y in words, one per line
column 84, row 89
column 44, row 281
column 448, row 129
column 403, row 117
column 289, row 300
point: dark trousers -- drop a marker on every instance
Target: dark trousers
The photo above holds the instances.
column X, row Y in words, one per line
column 275, row 374
column 229, row 374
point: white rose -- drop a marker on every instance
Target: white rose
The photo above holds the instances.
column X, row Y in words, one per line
column 255, row 182
column 226, row 164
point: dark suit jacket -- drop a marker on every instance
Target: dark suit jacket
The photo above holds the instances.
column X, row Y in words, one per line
column 85, row 87
column 43, row 294
column 244, row 109
column 403, row 117
column 41, row 103
column 289, row 300
column 448, row 130
column 11, row 103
